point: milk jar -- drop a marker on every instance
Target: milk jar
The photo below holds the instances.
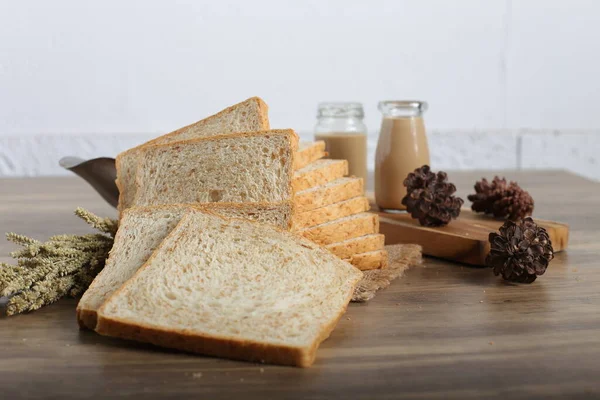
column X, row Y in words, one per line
column 401, row 148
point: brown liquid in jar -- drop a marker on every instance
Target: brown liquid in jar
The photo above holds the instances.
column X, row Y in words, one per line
column 347, row 146
column 402, row 147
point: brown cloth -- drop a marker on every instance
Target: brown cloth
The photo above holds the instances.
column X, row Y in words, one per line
column 401, row 257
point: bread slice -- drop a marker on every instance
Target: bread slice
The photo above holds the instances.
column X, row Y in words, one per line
column 247, row 116
column 361, row 244
column 319, row 173
column 235, row 289
column 333, row 192
column 331, row 212
column 237, row 168
column 342, row 229
column 377, row 259
column 142, row 229
column 309, row 152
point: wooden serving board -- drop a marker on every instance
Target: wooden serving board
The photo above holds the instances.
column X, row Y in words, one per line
column 464, row 240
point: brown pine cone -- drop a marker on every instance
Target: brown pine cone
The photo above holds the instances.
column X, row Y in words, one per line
column 419, row 179
column 521, row 251
column 429, row 197
column 501, row 199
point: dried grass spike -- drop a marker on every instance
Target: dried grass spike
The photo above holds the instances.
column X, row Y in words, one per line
column 21, row 240
column 105, row 225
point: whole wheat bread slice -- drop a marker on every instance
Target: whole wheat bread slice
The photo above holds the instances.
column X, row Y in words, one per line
column 247, row 116
column 142, row 229
column 235, row 289
column 309, row 152
column 377, row 259
column 333, row 192
column 342, row 229
column 237, row 168
column 361, row 244
column 329, row 213
column 319, row 173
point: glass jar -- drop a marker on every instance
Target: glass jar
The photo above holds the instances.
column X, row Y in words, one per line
column 342, row 128
column 401, row 148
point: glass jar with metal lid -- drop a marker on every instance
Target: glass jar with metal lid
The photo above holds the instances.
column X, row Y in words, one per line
column 342, row 128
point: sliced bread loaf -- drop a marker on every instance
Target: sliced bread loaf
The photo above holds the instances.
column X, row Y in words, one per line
column 333, row 192
column 141, row 229
column 319, row 173
column 238, row 168
column 331, row 212
column 234, row 289
column 361, row 244
column 377, row 259
column 309, row 152
column 342, row 229
column 247, row 116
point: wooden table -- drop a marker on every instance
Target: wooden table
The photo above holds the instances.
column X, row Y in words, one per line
column 443, row 331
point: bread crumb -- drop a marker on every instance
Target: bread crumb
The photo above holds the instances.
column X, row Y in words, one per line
column 348, row 318
column 24, row 339
column 197, row 375
column 481, row 301
column 491, row 343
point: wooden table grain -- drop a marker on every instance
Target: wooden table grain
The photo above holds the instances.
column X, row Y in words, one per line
column 443, row 331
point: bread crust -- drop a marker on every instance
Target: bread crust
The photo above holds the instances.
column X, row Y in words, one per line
column 288, row 133
column 361, row 244
column 221, row 346
column 342, row 229
column 206, row 345
column 328, row 172
column 330, row 213
column 120, row 187
column 377, row 259
column 87, row 319
column 321, row 196
column 312, row 153
column 210, row 208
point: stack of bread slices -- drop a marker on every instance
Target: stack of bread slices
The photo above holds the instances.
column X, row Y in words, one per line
column 331, row 209
column 204, row 260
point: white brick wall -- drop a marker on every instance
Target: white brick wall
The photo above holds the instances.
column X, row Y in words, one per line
column 575, row 151
column 504, row 78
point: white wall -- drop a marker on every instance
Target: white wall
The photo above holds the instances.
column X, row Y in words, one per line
column 489, row 69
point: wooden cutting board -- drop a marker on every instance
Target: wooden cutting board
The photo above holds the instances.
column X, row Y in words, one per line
column 464, row 240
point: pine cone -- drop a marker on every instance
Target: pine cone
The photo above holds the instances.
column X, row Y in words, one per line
column 501, row 199
column 520, row 252
column 429, row 197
